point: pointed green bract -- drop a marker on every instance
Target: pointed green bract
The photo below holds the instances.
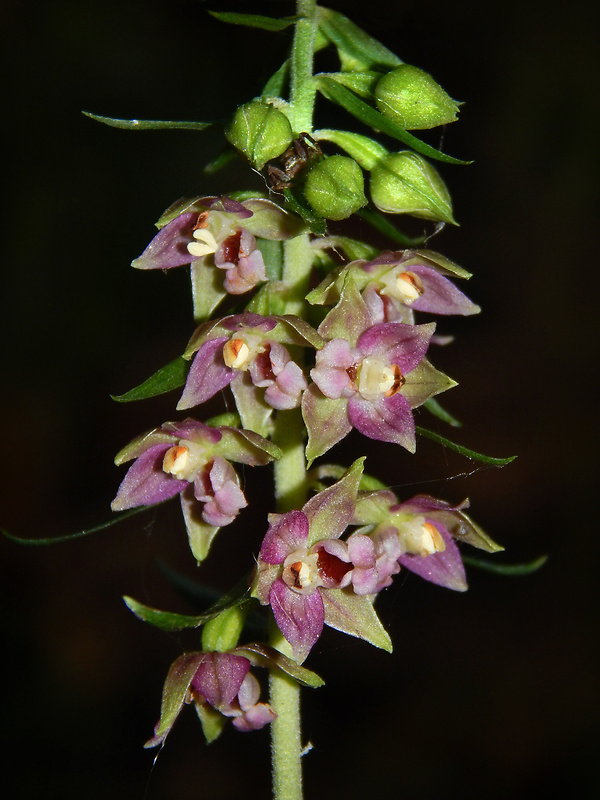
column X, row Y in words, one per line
column 365, row 151
column 254, row 20
column 464, row 451
column 337, row 93
column 511, row 570
column 147, row 124
column 167, row 378
column 355, row 46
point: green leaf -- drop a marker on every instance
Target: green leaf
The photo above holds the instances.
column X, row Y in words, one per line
column 69, row 536
column 168, row 621
column 254, row 20
column 169, row 377
column 434, row 407
column 354, row 614
column 365, row 151
column 512, row 570
column 337, row 93
column 353, row 43
column 148, row 124
column 219, row 162
column 464, row 451
column 384, row 226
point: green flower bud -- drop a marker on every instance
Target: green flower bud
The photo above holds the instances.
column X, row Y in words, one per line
column 260, row 131
column 412, row 99
column 404, row 183
column 335, row 187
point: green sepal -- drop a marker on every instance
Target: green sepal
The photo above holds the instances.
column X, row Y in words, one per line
column 365, row 151
column 326, row 421
column 147, row 124
column 511, row 570
column 171, row 376
column 200, row 533
column 354, row 614
column 207, row 289
column 383, row 225
column 122, row 515
column 255, row 413
column 350, row 317
column 353, row 249
column 355, row 47
column 174, row 695
column 464, row 451
column 212, row 721
column 424, row 381
column 254, row 20
column 368, row 483
column 339, row 94
column 442, row 263
column 332, row 503
column 436, row 409
column 261, row 655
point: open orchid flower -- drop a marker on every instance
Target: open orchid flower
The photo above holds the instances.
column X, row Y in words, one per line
column 422, row 532
column 396, row 284
column 220, row 232
column 250, row 350
column 305, row 571
column 368, row 377
column 191, row 459
column 220, row 685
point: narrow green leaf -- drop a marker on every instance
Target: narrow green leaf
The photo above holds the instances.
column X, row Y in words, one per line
column 464, row 451
column 219, row 162
column 315, row 223
column 353, row 42
column 384, row 226
column 148, row 124
column 434, row 407
column 168, row 621
column 512, row 570
column 337, row 93
column 69, row 536
column 254, row 20
column 169, row 377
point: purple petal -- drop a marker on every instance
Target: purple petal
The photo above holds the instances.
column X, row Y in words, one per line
column 208, row 374
column 255, row 718
column 330, row 372
column 219, row 677
column 146, row 483
column 286, row 534
column 404, row 345
column 440, row 296
column 299, row 617
column 388, row 420
column 169, row 246
column 220, row 490
column 444, row 568
column 386, row 309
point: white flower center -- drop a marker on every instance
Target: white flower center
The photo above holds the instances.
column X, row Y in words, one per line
column 184, row 461
column 419, row 537
column 301, row 572
column 403, row 286
column 239, row 352
column 204, row 245
column 378, row 377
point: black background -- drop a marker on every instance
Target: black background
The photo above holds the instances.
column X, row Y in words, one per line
column 491, row 693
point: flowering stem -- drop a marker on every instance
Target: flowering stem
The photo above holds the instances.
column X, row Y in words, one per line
column 286, row 749
column 302, row 84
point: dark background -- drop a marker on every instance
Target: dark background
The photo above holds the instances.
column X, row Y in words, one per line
column 493, row 693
